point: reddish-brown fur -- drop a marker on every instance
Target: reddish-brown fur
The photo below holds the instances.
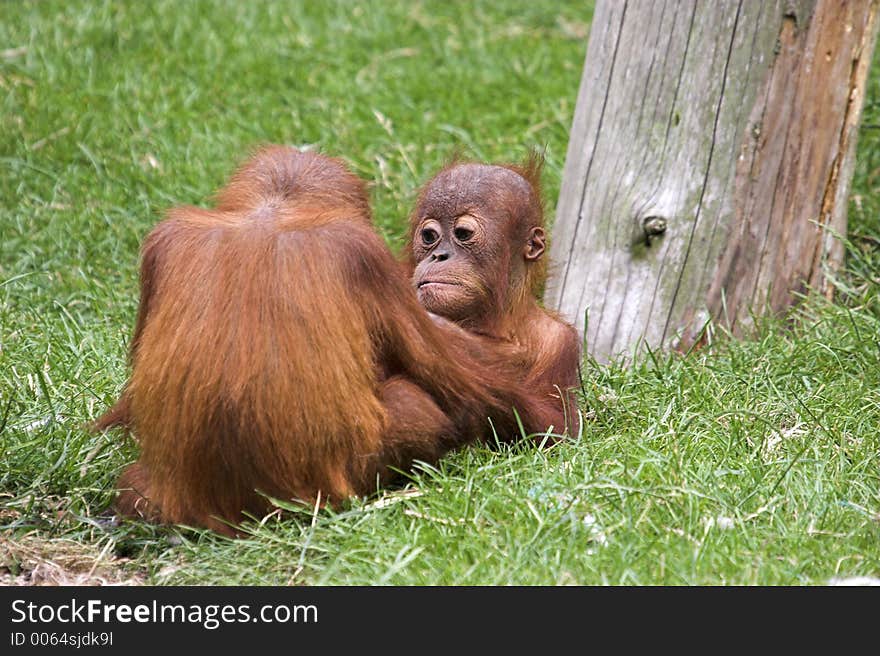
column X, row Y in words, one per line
column 488, row 282
column 280, row 350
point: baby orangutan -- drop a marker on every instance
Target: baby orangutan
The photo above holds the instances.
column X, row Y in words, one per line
column 476, row 245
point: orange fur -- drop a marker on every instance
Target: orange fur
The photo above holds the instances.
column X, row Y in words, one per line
column 279, row 350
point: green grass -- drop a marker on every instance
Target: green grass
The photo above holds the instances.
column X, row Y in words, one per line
column 753, row 462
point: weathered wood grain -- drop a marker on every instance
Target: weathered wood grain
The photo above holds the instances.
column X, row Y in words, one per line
column 710, row 153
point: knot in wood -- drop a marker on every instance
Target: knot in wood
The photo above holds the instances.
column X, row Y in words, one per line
column 654, row 225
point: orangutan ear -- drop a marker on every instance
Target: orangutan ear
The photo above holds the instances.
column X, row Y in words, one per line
column 535, row 244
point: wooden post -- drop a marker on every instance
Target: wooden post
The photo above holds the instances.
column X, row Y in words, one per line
column 708, row 166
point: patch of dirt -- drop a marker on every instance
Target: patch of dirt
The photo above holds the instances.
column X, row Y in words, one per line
column 32, row 560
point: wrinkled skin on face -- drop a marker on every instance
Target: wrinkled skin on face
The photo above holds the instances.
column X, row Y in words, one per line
column 475, row 231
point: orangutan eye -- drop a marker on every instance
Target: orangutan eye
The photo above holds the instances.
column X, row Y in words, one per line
column 462, row 233
column 429, row 236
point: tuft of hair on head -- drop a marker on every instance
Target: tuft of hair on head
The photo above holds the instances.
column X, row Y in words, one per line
column 285, row 174
column 458, row 155
column 530, row 169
